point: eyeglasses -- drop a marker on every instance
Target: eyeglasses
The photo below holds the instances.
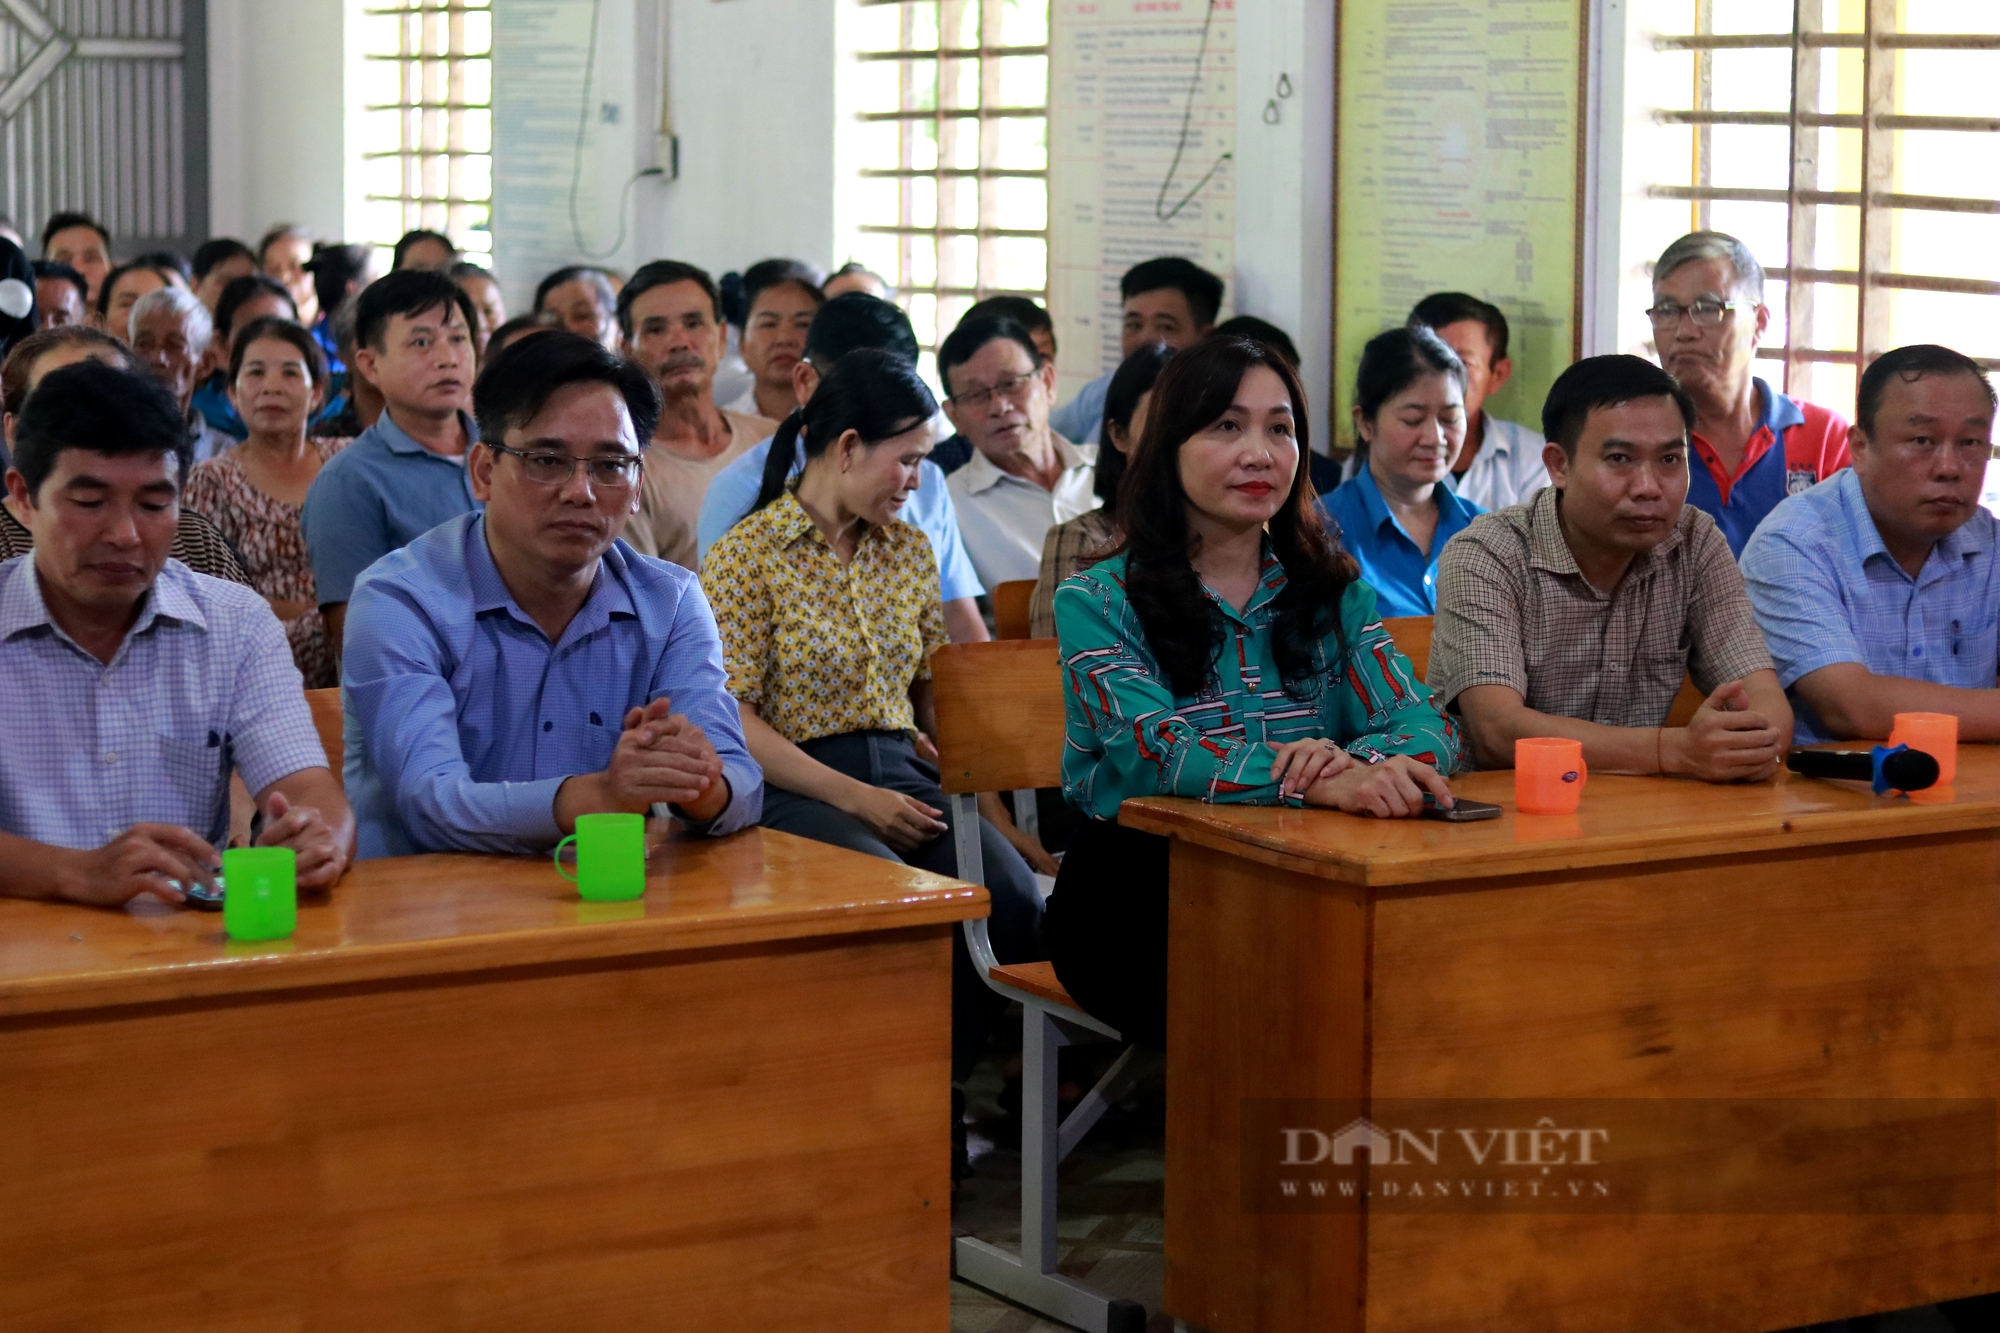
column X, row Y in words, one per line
column 1705, row 313
column 1008, row 388
column 550, row 469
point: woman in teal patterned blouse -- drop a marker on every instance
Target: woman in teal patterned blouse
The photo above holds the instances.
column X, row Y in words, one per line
column 1228, row 651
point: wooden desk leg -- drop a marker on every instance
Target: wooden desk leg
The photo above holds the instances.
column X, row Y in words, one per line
column 1297, row 1030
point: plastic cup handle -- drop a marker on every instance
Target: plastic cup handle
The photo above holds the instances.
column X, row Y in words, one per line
column 558, row 856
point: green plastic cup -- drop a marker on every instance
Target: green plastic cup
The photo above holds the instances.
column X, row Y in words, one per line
column 610, row 857
column 260, row 899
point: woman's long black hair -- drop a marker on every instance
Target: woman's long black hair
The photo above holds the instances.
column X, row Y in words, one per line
column 876, row 394
column 1183, row 627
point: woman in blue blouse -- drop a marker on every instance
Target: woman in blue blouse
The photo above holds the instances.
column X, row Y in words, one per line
column 1398, row 509
column 1227, row 651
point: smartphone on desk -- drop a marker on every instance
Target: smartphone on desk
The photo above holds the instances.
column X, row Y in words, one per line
column 201, row 897
column 1462, row 811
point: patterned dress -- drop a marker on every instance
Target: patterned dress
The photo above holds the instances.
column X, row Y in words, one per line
column 266, row 532
column 1129, row 734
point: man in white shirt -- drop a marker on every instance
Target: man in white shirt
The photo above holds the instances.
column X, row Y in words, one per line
column 1024, row 478
column 1501, row 463
column 780, row 298
column 1170, row 300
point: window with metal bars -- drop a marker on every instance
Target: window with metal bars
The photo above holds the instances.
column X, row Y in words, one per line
column 1855, row 146
column 952, row 195
column 428, row 141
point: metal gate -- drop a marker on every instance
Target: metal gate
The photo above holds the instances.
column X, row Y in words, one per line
column 104, row 108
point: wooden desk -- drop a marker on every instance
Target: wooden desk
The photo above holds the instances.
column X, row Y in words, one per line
column 1796, row 939
column 459, row 1098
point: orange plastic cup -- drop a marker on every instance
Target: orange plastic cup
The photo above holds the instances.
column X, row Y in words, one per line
column 1549, row 775
column 1936, row 734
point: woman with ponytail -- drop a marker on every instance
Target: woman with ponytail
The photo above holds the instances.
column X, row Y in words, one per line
column 829, row 610
column 1227, row 651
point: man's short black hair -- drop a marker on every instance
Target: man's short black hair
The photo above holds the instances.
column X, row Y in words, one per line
column 1909, row 364
column 1022, row 310
column 519, row 380
column 1442, row 308
column 1605, row 381
column 237, row 292
column 49, row 268
column 1261, row 331
column 659, row 273
column 418, row 237
column 64, row 221
column 219, row 250
column 102, row 409
column 1202, row 289
column 765, row 274
column 964, row 343
column 411, row 292
column 854, row 320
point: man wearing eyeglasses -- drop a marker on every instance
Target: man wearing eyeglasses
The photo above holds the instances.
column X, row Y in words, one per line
column 1876, row 590
column 1024, row 478
column 509, row 671
column 1755, row 446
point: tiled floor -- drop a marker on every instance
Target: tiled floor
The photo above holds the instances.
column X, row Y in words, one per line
column 1109, row 1195
column 1109, row 1225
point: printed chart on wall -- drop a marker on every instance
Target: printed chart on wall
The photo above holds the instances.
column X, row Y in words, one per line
column 1142, row 125
column 539, row 54
column 1457, row 129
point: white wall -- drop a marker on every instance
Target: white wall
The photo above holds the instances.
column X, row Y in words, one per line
column 277, row 137
column 750, row 88
column 555, row 203
column 1284, row 183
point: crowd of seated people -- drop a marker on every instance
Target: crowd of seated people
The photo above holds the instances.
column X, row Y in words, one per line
column 681, row 545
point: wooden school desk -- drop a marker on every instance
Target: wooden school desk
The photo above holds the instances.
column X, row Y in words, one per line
column 459, row 1098
column 1796, row 939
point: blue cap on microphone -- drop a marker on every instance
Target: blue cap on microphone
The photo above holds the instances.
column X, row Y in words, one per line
column 1880, row 754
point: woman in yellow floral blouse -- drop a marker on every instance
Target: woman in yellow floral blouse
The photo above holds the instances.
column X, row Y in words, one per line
column 829, row 610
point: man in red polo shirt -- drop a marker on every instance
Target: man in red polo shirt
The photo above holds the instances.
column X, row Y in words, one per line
column 1753, row 446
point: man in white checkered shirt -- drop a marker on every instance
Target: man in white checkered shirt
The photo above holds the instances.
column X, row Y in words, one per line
column 130, row 686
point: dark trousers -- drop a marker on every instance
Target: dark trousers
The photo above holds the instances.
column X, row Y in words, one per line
column 1107, row 928
column 889, row 759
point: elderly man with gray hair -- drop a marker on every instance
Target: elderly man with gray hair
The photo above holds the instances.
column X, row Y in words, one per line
column 1753, row 446
column 169, row 332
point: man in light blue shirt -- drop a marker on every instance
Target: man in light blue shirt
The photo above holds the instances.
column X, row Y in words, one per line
column 405, row 474
column 509, row 671
column 1878, row 590
column 845, row 324
column 134, row 687
column 1170, row 300
column 1500, row 463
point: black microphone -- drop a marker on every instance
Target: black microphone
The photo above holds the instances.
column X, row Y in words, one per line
column 1899, row 768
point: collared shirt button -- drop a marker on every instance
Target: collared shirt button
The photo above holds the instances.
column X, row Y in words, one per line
column 111, row 758
column 548, row 726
